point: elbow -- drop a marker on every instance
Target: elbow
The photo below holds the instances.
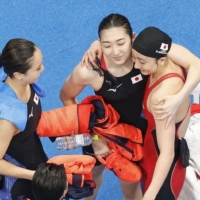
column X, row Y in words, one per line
column 61, row 95
column 66, row 99
column 62, row 98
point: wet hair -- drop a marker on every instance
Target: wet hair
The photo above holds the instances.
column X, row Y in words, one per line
column 16, row 56
column 49, row 182
column 115, row 20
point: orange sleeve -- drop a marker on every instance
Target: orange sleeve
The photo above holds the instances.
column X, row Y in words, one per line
column 62, row 121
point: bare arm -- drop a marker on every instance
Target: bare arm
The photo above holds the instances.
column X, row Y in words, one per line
column 182, row 57
column 74, row 84
column 93, row 51
column 178, row 54
column 7, row 131
column 165, row 138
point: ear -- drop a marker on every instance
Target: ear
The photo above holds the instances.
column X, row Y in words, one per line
column 133, row 36
column 162, row 61
column 18, row 75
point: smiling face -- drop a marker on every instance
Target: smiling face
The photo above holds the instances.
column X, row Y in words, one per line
column 116, row 44
column 146, row 65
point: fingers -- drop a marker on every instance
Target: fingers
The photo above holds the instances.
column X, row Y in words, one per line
column 160, row 117
column 99, row 54
column 83, row 60
column 92, row 55
column 158, row 112
column 103, row 155
column 159, row 100
column 87, row 61
column 91, row 59
column 156, row 107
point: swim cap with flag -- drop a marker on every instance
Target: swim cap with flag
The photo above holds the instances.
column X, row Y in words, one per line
column 152, row 42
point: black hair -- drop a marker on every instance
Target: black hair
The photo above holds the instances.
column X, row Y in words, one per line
column 49, row 182
column 16, row 56
column 115, row 20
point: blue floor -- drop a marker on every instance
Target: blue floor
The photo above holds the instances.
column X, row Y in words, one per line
column 64, row 29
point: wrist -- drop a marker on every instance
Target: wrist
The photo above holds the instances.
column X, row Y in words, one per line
column 28, row 174
column 32, row 174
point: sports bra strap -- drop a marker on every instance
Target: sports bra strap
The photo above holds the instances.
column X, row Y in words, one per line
column 103, row 63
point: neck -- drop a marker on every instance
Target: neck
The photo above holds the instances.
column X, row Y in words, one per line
column 19, row 88
column 160, row 70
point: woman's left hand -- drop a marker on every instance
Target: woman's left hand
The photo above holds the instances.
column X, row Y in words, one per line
column 168, row 109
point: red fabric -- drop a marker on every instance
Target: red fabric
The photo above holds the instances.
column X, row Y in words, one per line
column 178, row 178
column 124, row 169
column 121, row 160
column 103, row 63
column 195, row 108
column 198, row 176
column 63, row 121
column 149, row 147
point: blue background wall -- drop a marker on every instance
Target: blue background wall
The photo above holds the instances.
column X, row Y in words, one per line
column 64, row 29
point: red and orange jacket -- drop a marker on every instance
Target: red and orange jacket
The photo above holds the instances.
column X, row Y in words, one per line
column 94, row 115
column 75, row 165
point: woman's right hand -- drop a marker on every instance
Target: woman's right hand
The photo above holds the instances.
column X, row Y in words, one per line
column 90, row 55
column 101, row 148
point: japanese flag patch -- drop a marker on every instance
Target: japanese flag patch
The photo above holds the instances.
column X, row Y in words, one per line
column 136, row 79
column 164, row 47
column 36, row 99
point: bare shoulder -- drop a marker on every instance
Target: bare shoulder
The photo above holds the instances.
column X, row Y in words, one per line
column 84, row 75
column 7, row 128
column 169, row 86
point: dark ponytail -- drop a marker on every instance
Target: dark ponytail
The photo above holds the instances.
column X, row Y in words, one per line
column 16, row 55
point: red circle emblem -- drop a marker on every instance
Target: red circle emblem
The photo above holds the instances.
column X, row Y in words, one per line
column 136, row 79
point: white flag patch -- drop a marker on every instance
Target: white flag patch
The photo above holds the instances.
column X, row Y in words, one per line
column 136, row 79
column 164, row 46
column 36, row 99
